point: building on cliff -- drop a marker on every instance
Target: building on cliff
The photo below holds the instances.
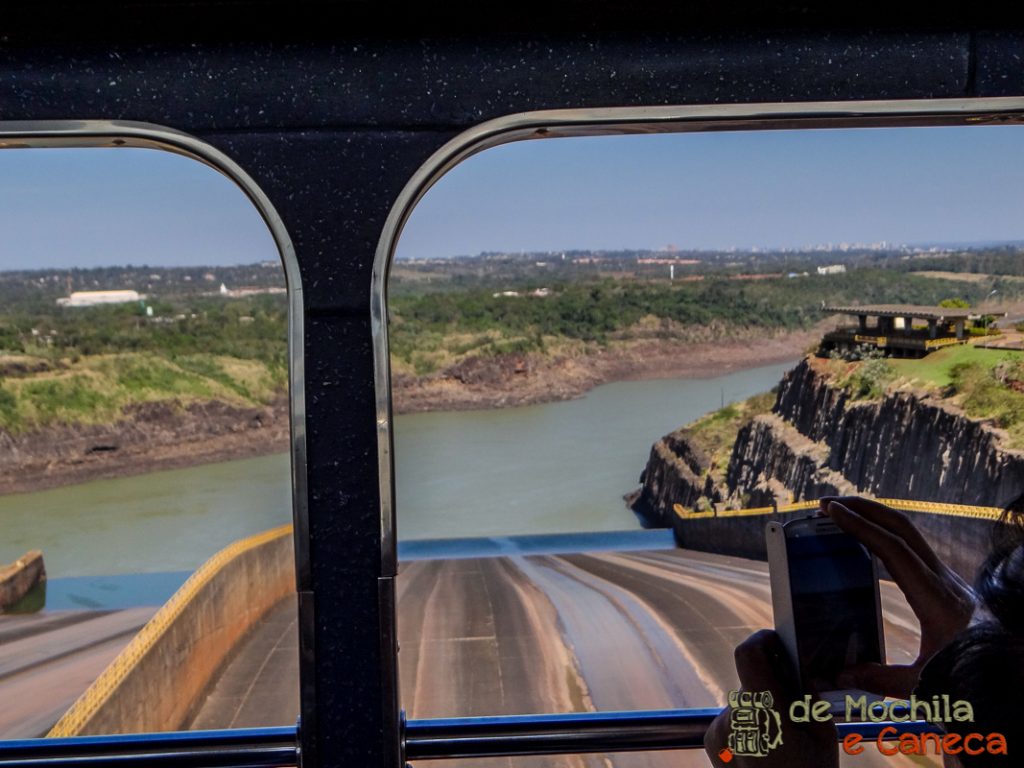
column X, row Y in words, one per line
column 890, row 327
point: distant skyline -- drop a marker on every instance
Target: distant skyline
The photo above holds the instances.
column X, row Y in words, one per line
column 69, row 208
column 715, row 191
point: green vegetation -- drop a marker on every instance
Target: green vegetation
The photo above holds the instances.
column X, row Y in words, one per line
column 187, row 342
column 97, row 389
column 715, row 433
column 8, row 405
column 988, row 384
column 432, row 330
column 65, row 365
column 997, row 262
column 936, row 369
column 993, row 392
column 954, row 304
column 70, row 398
column 869, row 375
column 250, row 328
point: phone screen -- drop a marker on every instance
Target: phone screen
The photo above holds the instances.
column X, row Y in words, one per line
column 834, row 611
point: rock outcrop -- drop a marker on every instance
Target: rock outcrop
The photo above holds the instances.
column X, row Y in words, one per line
column 678, row 472
column 771, row 458
column 819, row 441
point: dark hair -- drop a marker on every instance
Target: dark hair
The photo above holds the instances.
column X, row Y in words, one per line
column 1001, row 578
column 984, row 664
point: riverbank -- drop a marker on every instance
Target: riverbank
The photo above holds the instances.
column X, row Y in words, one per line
column 169, row 434
column 149, row 437
column 508, row 380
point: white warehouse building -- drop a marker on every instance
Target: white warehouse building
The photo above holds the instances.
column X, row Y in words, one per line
column 832, row 269
column 92, row 298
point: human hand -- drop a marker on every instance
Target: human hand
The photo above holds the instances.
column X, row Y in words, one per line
column 763, row 666
column 942, row 601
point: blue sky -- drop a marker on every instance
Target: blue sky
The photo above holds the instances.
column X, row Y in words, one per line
column 100, row 207
column 722, row 190
column 89, row 207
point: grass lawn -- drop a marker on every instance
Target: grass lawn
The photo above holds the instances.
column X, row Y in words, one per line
column 934, row 368
column 95, row 389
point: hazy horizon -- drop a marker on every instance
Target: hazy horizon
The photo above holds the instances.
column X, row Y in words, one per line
column 711, row 192
column 194, row 267
column 820, row 248
column 771, row 190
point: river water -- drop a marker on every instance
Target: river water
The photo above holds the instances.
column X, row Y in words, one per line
column 547, row 468
column 557, row 467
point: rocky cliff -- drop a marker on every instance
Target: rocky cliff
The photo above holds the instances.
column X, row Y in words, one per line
column 817, row 440
column 678, row 472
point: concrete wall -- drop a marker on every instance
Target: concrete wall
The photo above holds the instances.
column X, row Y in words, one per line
column 961, row 539
column 19, row 577
column 154, row 684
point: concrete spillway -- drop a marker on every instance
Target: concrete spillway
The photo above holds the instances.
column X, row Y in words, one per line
column 546, row 633
column 48, row 660
column 607, row 631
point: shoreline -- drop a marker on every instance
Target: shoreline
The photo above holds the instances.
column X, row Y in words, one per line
column 191, row 455
column 514, row 380
column 162, row 436
column 151, row 437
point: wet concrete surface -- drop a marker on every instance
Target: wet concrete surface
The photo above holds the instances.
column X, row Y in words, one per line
column 260, row 685
column 47, row 661
column 598, row 631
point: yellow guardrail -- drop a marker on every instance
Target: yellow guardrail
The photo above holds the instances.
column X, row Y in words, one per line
column 690, row 514
column 938, row 508
column 97, row 694
column 946, row 342
column 880, row 341
column 904, row 505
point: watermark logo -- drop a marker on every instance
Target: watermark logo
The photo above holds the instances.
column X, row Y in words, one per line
column 755, row 729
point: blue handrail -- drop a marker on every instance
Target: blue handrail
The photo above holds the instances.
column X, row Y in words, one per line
column 461, row 737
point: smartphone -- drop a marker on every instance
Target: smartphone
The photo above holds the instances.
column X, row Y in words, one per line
column 825, row 600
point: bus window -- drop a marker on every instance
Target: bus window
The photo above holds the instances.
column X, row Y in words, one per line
column 147, row 574
column 614, row 359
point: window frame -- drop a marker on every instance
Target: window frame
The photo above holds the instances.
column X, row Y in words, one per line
column 90, row 134
column 568, row 123
column 157, row 748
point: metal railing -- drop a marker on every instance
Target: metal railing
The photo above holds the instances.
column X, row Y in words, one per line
column 586, row 732
column 241, row 748
column 575, row 733
column 461, row 737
